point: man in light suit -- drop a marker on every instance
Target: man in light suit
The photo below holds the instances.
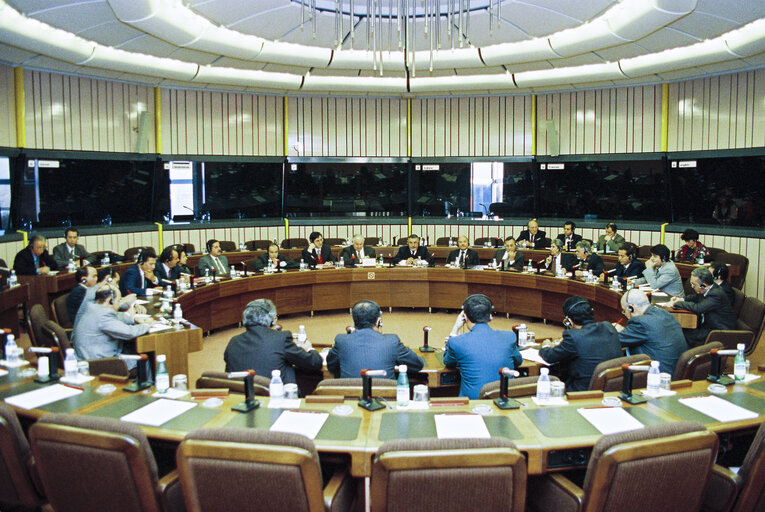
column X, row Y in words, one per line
column 509, row 257
column 412, row 252
column 611, row 240
column 71, row 250
column 481, row 352
column 317, row 254
column 463, row 256
column 661, row 273
column 366, row 348
column 651, row 331
column 139, row 277
column 214, row 260
column 355, row 253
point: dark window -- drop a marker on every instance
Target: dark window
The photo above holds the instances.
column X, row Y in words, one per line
column 242, row 189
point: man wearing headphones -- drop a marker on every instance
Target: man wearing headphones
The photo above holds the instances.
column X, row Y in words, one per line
column 720, row 273
column 585, row 343
column 710, row 303
column 86, row 277
column 557, row 260
column 264, row 349
column 651, row 331
column 214, row 260
column 34, row 258
column 139, row 277
column 366, row 348
column 610, row 241
column 627, row 266
column 661, row 273
column 167, row 271
column 482, row 351
column 587, row 260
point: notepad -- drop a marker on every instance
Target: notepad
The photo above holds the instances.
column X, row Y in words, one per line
column 532, row 354
column 459, row 426
column 610, row 420
column 718, row 408
column 300, row 422
column 42, row 396
column 159, row 412
column 159, row 327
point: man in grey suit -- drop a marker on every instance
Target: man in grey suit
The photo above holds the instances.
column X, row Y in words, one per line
column 661, row 273
column 100, row 332
column 651, row 331
column 214, row 260
column 71, row 250
column 365, row 348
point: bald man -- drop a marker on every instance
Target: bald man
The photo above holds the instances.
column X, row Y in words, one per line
column 463, row 256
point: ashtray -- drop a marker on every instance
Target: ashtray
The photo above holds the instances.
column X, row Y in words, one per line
column 212, row 403
column 717, row 389
column 483, row 410
column 611, row 401
column 342, row 410
column 105, row 389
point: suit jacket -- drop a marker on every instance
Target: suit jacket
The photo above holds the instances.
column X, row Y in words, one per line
column 24, row 262
column 539, row 238
column 657, row 334
column 206, row 262
column 263, row 350
column 100, row 333
column 612, row 244
column 351, row 257
column 479, row 354
column 74, row 300
column 591, row 262
column 61, row 255
column 665, row 278
column 163, row 276
column 567, row 261
column 262, row 262
column 635, row 268
column 728, row 289
column 404, row 253
column 471, row 257
column 133, row 281
column 312, row 261
column 584, row 349
column 505, row 263
column 715, row 310
column 575, row 239
column 367, row 348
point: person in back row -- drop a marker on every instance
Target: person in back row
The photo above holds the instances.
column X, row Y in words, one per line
column 568, row 238
column 71, row 250
column 661, row 273
column 463, row 256
column 214, row 260
column 355, row 253
column 533, row 237
column 610, row 241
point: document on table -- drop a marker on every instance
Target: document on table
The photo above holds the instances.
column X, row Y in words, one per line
column 532, row 354
column 610, row 420
column 159, row 327
column 42, row 396
column 159, row 412
column 3, row 373
column 300, row 422
column 455, row 426
column 717, row 408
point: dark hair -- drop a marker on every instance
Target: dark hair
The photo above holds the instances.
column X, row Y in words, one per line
column 612, row 226
column 720, row 271
column 365, row 314
column 690, row 234
column 313, row 236
column 478, row 308
column 103, row 272
column 629, row 249
column 662, row 251
column 210, row 244
column 510, row 238
column 82, row 272
column 145, row 255
column 413, row 236
column 570, row 223
column 73, row 230
column 579, row 310
column 167, row 254
column 704, row 275
column 104, row 293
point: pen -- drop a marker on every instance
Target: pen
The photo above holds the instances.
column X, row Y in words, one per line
column 74, row 387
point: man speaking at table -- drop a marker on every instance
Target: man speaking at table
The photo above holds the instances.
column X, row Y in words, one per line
column 509, row 257
column 357, row 252
column 412, row 252
column 317, row 254
column 139, row 277
column 463, row 256
column 214, row 260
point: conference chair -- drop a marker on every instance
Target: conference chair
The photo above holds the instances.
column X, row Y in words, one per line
column 36, row 317
column 61, row 313
column 644, row 252
column 228, row 246
column 225, row 469
column 257, row 245
column 220, row 380
column 18, row 489
column 448, row 475
column 743, row 266
column 443, row 241
column 695, row 363
column 131, row 253
column 251, row 264
column 113, row 256
column 372, row 240
column 56, row 336
column 92, row 463
column 294, row 243
column 738, row 301
column 608, row 375
column 750, row 322
column 743, row 491
column 516, row 388
column 352, row 388
column 330, row 242
column 494, row 241
column 662, row 467
column 403, row 240
column 714, row 252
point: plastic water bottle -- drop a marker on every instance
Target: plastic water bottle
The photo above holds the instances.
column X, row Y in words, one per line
column 163, row 378
column 302, row 264
column 177, row 314
column 70, row 365
column 105, row 260
column 739, row 364
column 276, row 386
column 11, row 350
column 71, row 267
column 402, row 386
column 207, row 275
column 654, row 378
column 12, row 279
column 232, row 271
column 522, row 335
column 494, row 263
column 543, row 384
column 380, row 262
column 530, row 268
column 340, row 263
column 302, row 336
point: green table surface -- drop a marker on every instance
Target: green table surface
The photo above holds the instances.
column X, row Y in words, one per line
column 567, row 422
column 745, row 400
column 409, row 425
column 189, row 420
column 336, row 428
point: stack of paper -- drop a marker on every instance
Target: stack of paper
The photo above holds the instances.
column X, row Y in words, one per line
column 158, row 413
column 718, row 408
column 42, row 396
column 459, row 426
column 306, row 423
column 610, row 420
column 532, row 354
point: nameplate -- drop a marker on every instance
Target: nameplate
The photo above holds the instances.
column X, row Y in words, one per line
column 108, row 377
column 207, row 392
column 679, row 384
column 324, row 399
column 447, row 401
column 583, row 395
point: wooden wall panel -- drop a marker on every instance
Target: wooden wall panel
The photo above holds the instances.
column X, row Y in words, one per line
column 7, row 108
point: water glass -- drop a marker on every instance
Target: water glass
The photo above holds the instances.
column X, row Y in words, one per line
column 180, row 382
column 557, row 389
column 83, row 368
column 665, row 381
column 531, row 338
column 291, row 391
column 421, row 393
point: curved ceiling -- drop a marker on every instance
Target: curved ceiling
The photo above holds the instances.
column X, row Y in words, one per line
column 405, row 49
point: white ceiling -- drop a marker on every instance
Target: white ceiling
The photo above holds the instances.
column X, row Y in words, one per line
column 271, row 45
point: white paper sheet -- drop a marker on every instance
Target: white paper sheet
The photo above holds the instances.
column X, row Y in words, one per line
column 159, row 412
column 550, row 402
column 284, row 403
column 657, row 394
column 17, row 364
column 171, row 393
column 141, row 302
column 457, row 426
column 153, row 291
column 159, row 327
column 78, row 380
column 532, row 354
column 749, row 377
column 42, row 396
column 610, row 420
column 717, row 408
column 3, row 373
column 300, row 422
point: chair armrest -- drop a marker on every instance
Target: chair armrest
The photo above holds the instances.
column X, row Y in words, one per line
column 171, row 493
column 554, row 492
column 721, row 491
column 340, row 491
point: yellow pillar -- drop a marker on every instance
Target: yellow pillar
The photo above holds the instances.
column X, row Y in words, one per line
column 285, row 124
column 409, row 230
column 663, row 228
column 21, row 129
column 160, row 236
column 533, row 125
column 664, row 120
column 286, row 228
column 158, row 120
column 24, row 237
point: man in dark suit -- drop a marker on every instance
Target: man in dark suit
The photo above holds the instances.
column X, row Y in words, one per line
column 482, row 351
column 355, row 253
column 587, row 260
column 720, row 273
column 86, row 277
column 585, row 344
column 509, row 257
column 366, row 348
column 167, row 271
column 317, row 254
column 264, row 349
column 710, row 303
column 34, row 259
column 463, row 256
column 568, row 237
column 279, row 260
column 627, row 266
column 412, row 252
column 532, row 237
column 71, row 250
column 558, row 262
column 139, row 277
column 651, row 331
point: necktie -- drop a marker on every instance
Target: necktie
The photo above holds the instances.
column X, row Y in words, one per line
column 462, row 258
column 219, row 266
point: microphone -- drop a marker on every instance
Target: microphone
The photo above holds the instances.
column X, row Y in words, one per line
column 507, row 372
column 240, row 375
column 43, row 350
column 189, row 209
column 372, row 373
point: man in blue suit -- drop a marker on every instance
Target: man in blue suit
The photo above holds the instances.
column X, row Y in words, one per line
column 367, row 348
column 137, row 278
column 480, row 353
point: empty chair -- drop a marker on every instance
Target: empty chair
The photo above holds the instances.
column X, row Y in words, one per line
column 443, row 241
column 494, row 241
column 448, row 475
column 334, row 241
column 294, row 243
column 17, row 487
column 110, row 365
column 221, row 380
column 372, row 240
column 60, row 312
column 659, row 468
column 352, row 388
column 644, row 252
column 257, row 245
column 228, row 246
column 607, row 376
column 403, row 240
column 132, row 253
column 91, row 463
column 55, row 336
column 238, row 469
column 738, row 301
column 695, row 363
column 735, row 259
column 99, row 255
column 714, row 252
column 36, row 318
column 251, row 264
column 516, row 388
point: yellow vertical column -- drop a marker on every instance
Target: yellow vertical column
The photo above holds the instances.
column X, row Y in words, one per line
column 158, row 119
column 533, row 125
column 18, row 89
column 160, row 236
column 664, row 117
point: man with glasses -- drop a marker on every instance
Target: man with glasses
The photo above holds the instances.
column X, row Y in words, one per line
column 34, row 259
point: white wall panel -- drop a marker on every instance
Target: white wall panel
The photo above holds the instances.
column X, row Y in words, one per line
column 7, row 107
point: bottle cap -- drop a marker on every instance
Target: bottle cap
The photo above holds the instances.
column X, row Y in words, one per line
column 740, row 346
column 544, row 371
column 402, row 368
column 70, row 351
column 276, row 373
column 654, row 364
column 161, row 358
